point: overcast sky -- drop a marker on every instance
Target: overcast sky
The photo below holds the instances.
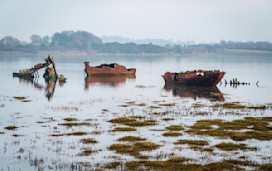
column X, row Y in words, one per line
column 197, row 20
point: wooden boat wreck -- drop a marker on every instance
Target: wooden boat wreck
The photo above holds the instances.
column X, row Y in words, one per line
column 194, row 78
column 108, row 69
column 32, row 72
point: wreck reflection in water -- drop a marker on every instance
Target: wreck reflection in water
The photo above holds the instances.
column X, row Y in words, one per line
column 108, row 80
column 210, row 93
column 50, row 85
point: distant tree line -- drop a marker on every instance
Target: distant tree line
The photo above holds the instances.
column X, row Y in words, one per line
column 85, row 41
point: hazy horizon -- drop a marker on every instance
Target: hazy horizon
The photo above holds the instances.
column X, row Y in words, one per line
column 196, row 20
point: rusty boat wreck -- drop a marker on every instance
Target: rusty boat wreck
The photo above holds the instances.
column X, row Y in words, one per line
column 194, row 78
column 108, row 69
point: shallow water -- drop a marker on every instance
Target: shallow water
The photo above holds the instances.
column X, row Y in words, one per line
column 84, row 98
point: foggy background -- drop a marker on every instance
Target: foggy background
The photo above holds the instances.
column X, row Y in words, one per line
column 197, row 20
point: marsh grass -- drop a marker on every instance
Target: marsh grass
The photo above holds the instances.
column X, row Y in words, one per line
column 258, row 107
column 192, row 142
column 113, row 165
column 135, row 149
column 266, row 167
column 237, row 105
column 121, row 129
column 25, row 101
column 70, row 119
column 175, row 128
column 167, row 104
column 146, row 146
column 231, row 105
column 86, row 152
column 11, row 128
column 131, row 139
column 259, row 128
column 231, row 147
column 168, row 119
column 88, row 141
column 198, row 105
column 19, row 98
column 132, row 122
column 154, row 107
column 141, row 104
column 70, row 134
column 124, row 105
column 171, row 134
column 178, row 164
column 17, row 135
column 70, row 124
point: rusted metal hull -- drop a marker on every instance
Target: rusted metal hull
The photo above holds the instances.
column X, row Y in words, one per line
column 194, row 78
column 108, row 69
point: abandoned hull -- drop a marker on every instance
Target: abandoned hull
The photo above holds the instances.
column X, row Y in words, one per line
column 194, row 78
column 108, row 69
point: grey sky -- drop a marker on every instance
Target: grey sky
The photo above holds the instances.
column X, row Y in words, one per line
column 198, row 20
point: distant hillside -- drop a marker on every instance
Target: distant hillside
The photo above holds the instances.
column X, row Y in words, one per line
column 83, row 41
column 123, row 40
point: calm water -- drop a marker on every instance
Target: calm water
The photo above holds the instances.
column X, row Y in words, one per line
column 85, row 98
